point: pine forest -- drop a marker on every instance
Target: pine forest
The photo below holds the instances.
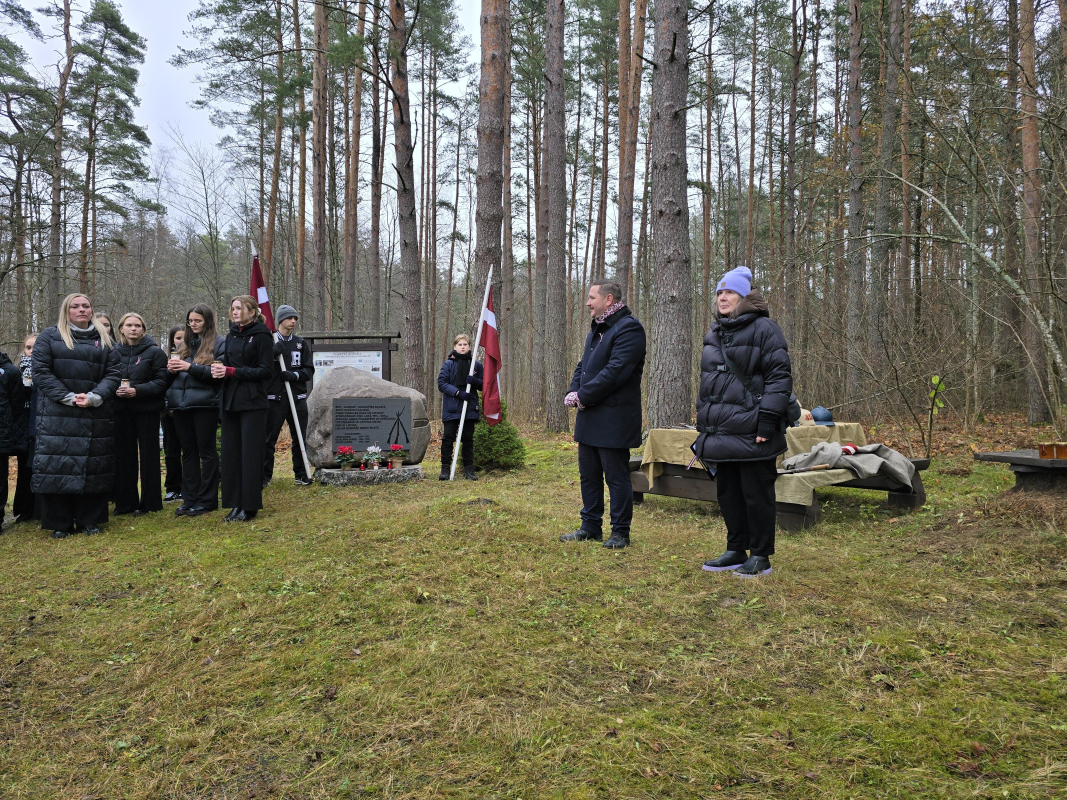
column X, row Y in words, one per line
column 894, row 173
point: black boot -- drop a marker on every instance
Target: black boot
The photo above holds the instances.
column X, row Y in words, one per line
column 582, row 535
column 617, row 541
column 468, row 473
column 447, row 447
column 731, row 559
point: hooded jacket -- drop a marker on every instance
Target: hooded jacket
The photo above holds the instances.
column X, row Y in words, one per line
column 608, row 383
column 75, row 450
column 299, row 369
column 453, row 378
column 249, row 351
column 728, row 415
column 145, row 365
column 195, row 388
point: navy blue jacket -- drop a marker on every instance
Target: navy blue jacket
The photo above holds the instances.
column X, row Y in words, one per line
column 608, row 383
column 728, row 415
column 453, row 378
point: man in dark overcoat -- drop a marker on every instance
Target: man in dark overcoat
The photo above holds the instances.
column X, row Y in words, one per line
column 606, row 390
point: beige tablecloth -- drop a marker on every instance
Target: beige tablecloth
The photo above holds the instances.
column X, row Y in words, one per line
column 672, row 446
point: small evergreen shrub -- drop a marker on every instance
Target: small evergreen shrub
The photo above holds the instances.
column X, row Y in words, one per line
column 498, row 446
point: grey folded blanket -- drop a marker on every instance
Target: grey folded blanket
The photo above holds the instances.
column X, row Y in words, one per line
column 867, row 462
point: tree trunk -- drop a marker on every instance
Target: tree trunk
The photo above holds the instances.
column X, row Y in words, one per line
column 490, row 176
column 352, row 178
column 555, row 182
column 301, row 194
column 276, row 166
column 1031, row 152
column 882, row 212
column 857, row 237
column 405, row 199
column 55, row 228
column 537, row 366
column 799, row 35
column 670, row 356
column 750, row 232
column 631, row 66
column 319, row 111
column 504, row 319
column 374, row 256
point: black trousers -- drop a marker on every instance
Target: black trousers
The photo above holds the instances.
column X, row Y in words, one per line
column 746, row 497
column 200, row 456
column 66, row 512
column 137, row 440
column 23, row 504
column 279, row 414
column 595, row 465
column 448, row 443
column 244, row 434
column 172, row 454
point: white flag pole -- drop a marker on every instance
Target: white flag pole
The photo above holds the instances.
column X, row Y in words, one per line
column 474, row 359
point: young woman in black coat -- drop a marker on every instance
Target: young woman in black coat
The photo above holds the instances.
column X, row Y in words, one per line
column 13, row 423
column 143, row 382
column 23, row 506
column 247, row 368
column 76, row 372
column 741, row 420
column 193, row 399
column 172, row 446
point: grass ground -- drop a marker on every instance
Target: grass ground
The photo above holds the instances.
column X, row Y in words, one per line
column 435, row 640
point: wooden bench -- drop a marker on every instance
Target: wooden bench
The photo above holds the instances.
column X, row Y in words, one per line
column 696, row 484
column 1032, row 473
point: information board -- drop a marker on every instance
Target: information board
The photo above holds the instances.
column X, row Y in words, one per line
column 359, row 422
column 366, row 360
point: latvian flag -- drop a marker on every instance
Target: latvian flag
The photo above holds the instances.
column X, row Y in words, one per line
column 491, row 409
column 259, row 291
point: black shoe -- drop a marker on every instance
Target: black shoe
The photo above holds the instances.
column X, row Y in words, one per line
column 444, row 475
column 139, row 513
column 754, row 567
column 582, row 536
column 617, row 542
column 181, row 510
column 468, row 473
column 245, row 516
column 303, row 481
column 196, row 511
column 170, row 497
column 265, row 485
column 60, row 534
column 731, row 559
column 92, row 530
column 232, row 515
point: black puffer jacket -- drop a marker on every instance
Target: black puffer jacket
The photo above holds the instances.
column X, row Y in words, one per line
column 146, row 367
column 14, row 420
column 195, row 388
column 250, row 351
column 454, row 375
column 728, row 415
column 75, row 450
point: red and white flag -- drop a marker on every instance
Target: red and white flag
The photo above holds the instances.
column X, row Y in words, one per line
column 491, row 408
column 259, row 291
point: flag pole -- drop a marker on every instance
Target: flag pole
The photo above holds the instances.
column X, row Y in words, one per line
column 474, row 360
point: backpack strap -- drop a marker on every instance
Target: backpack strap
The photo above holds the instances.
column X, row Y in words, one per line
column 731, row 365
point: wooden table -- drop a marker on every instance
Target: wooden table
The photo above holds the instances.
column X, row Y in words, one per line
column 1032, row 474
column 673, row 479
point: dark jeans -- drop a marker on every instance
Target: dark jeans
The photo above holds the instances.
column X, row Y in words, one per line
column 200, row 456
column 746, row 498
column 279, row 414
column 244, row 434
column 137, row 439
column 448, row 443
column 172, row 453
column 595, row 465
column 64, row 512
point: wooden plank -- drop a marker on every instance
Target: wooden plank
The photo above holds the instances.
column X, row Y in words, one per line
column 1028, row 458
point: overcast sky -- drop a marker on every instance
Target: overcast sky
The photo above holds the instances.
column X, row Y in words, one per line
column 165, row 91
